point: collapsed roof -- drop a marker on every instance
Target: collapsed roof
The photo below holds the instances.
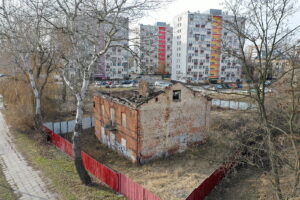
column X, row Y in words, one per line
column 130, row 98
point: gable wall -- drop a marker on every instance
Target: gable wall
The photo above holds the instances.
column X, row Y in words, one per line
column 167, row 126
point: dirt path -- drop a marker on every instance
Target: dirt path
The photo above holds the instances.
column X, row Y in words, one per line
column 25, row 181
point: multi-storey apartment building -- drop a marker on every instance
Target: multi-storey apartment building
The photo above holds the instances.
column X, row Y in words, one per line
column 114, row 64
column 154, row 48
column 198, row 41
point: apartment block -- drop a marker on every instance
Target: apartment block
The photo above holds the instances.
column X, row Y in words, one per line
column 154, row 48
column 198, row 43
column 114, row 64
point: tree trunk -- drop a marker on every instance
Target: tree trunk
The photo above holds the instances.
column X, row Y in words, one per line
column 38, row 119
column 274, row 166
column 37, row 102
column 83, row 174
column 270, row 144
column 64, row 91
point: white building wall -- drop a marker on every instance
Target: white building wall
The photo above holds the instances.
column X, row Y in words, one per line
column 147, row 48
column 179, row 47
column 192, row 37
column 114, row 64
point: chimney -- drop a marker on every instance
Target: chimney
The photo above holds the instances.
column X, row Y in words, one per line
column 144, row 90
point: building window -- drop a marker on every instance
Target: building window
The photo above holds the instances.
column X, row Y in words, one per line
column 102, row 110
column 176, row 95
column 112, row 116
column 123, row 118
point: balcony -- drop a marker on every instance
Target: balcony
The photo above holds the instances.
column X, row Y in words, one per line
column 111, row 126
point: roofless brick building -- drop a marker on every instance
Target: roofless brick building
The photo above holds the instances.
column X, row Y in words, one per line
column 144, row 125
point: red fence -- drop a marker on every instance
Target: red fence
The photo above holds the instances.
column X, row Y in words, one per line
column 208, row 184
column 132, row 190
column 60, row 142
column 116, row 181
column 103, row 173
column 125, row 186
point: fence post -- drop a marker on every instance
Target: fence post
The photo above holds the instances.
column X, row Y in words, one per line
column 59, row 127
column 52, row 126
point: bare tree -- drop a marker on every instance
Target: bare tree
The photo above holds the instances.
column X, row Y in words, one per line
column 89, row 29
column 24, row 36
column 262, row 26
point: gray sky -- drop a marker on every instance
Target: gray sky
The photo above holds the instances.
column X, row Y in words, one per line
column 167, row 13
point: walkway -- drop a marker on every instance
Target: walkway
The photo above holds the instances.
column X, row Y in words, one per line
column 24, row 180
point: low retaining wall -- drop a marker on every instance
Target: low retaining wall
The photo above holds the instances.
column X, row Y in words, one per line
column 124, row 185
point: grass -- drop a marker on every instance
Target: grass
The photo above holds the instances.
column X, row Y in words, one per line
column 6, row 192
column 242, row 184
column 171, row 178
column 60, row 169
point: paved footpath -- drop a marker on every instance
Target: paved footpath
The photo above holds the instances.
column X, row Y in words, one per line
column 24, row 180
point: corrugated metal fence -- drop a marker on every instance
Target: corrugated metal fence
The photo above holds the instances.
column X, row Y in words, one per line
column 208, row 184
column 61, row 143
column 69, row 125
column 116, row 181
column 235, row 105
column 101, row 172
column 124, row 185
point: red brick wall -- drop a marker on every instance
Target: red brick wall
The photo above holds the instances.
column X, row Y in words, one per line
column 128, row 133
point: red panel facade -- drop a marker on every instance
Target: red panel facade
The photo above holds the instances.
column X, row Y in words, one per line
column 161, row 45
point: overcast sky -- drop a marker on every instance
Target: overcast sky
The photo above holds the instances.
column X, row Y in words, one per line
column 179, row 6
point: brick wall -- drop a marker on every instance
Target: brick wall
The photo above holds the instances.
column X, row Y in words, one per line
column 159, row 127
column 168, row 126
column 124, row 139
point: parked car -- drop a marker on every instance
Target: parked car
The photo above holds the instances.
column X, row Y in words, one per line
column 233, row 86
column 127, row 83
column 218, row 87
column 225, row 86
column 268, row 82
column 162, row 84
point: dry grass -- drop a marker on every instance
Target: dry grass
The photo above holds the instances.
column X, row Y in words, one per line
column 242, row 184
column 171, row 178
column 18, row 100
column 58, row 170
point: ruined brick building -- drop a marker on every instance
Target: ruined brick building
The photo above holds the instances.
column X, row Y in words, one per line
column 144, row 125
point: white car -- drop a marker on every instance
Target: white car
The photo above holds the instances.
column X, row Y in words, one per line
column 162, row 84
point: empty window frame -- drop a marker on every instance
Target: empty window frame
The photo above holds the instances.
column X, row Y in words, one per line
column 176, row 95
column 123, row 119
column 102, row 110
column 112, row 116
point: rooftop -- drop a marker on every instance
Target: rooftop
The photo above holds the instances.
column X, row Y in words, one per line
column 130, row 98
